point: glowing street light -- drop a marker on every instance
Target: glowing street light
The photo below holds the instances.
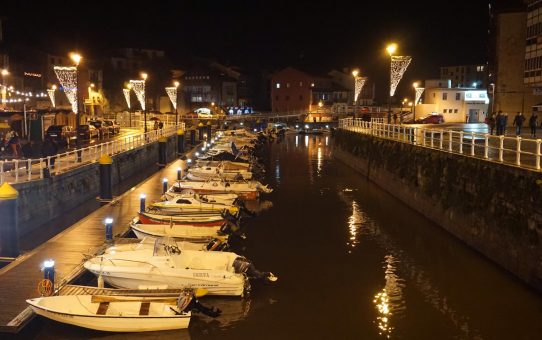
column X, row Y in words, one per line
column 398, row 66
column 418, row 94
column 76, row 58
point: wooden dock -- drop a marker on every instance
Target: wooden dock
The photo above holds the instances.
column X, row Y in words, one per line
column 19, row 279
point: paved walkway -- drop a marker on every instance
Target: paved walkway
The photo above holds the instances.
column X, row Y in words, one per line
column 18, row 280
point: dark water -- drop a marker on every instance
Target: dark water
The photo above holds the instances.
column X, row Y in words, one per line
column 353, row 263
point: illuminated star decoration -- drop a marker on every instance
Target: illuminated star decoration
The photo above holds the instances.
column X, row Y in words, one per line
column 399, row 64
column 172, row 94
column 67, row 76
column 51, row 93
column 360, row 81
column 419, row 92
column 139, row 88
column 127, row 96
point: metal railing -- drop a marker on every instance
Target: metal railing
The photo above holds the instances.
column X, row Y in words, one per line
column 517, row 151
column 24, row 170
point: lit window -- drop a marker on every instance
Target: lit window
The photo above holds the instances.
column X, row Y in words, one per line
column 278, row 85
column 312, row 84
column 287, row 84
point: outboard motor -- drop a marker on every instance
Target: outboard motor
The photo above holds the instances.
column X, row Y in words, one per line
column 244, row 266
column 188, row 301
column 217, row 245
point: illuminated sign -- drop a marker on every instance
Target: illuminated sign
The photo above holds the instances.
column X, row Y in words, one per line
column 30, row 74
column 476, row 96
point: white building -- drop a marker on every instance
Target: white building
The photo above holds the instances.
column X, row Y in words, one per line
column 457, row 105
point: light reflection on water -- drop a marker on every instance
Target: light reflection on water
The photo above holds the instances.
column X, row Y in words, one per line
column 389, row 301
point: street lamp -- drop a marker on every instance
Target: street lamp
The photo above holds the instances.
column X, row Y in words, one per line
column 415, row 85
column 355, row 74
column 176, row 84
column 144, row 76
column 76, row 58
column 4, row 73
column 391, row 48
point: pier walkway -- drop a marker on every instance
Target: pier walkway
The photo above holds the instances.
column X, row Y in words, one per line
column 19, row 279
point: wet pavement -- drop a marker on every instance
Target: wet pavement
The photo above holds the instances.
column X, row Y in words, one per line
column 353, row 263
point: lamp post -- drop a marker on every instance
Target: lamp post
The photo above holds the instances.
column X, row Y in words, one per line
column 403, row 102
column 144, row 76
column 76, row 58
column 176, row 84
column 391, row 48
column 355, row 73
column 4, row 73
column 415, row 85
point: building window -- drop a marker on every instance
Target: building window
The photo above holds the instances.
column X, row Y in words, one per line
column 301, row 97
column 444, row 111
column 434, row 94
column 445, row 96
column 458, row 96
column 287, row 84
column 278, row 85
column 455, row 111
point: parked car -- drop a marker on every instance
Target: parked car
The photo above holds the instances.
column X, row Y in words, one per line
column 102, row 127
column 61, row 133
column 87, row 131
column 431, row 119
column 112, row 125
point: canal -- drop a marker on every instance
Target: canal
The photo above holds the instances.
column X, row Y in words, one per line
column 353, row 263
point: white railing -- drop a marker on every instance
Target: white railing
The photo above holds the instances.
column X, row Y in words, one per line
column 23, row 170
column 518, row 151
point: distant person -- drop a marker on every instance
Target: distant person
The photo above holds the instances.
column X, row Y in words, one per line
column 156, row 125
column 519, row 119
column 14, row 143
column 27, row 150
column 394, row 118
column 491, row 122
column 160, row 125
column 505, row 124
column 498, row 122
column 533, row 123
column 49, row 149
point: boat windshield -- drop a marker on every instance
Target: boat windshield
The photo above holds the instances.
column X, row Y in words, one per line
column 164, row 246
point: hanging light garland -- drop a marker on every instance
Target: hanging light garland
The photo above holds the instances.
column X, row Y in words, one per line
column 360, row 81
column 139, row 88
column 127, row 97
column 399, row 64
column 172, row 94
column 51, row 93
column 67, row 76
column 419, row 92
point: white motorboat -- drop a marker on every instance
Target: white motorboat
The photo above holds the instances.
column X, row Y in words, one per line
column 228, row 199
column 204, row 220
column 208, row 172
column 246, row 189
column 179, row 232
column 148, row 244
column 228, row 165
column 113, row 314
column 220, row 273
column 191, row 204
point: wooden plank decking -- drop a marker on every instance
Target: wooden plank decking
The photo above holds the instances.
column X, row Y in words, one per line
column 19, row 279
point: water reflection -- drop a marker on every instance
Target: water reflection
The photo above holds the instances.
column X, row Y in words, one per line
column 327, row 141
column 354, row 225
column 319, row 161
column 306, row 140
column 296, row 141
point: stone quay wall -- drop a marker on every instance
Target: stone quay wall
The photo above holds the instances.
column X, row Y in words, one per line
column 43, row 200
column 494, row 208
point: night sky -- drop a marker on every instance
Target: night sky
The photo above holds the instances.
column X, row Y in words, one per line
column 264, row 34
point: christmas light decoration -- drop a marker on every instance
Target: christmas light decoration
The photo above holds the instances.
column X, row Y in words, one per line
column 172, row 94
column 419, row 92
column 399, row 64
column 139, row 88
column 360, row 81
column 67, row 76
column 51, row 93
column 127, row 96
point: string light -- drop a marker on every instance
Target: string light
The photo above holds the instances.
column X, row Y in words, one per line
column 172, row 94
column 399, row 64
column 360, row 81
column 419, row 92
column 139, row 88
column 127, row 96
column 67, row 76
column 51, row 93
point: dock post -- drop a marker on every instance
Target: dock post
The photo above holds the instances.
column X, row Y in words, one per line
column 9, row 235
column 162, row 156
column 164, row 185
column 200, row 128
column 180, row 142
column 109, row 230
column 183, row 165
column 142, row 202
column 179, row 173
column 209, row 131
column 193, row 137
column 106, row 194
column 49, row 272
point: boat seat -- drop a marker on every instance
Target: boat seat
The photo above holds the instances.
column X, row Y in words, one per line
column 144, row 309
column 102, row 308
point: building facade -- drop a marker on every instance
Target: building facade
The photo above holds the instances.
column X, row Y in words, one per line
column 466, row 75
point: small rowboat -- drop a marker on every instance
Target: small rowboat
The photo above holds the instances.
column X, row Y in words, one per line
column 113, row 314
column 214, row 220
column 179, row 232
column 192, row 205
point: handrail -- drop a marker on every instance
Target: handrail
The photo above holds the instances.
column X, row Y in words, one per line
column 514, row 151
column 25, row 170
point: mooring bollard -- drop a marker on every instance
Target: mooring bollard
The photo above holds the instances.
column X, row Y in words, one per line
column 179, row 173
column 193, row 137
column 105, row 178
column 180, row 142
column 142, row 202
column 9, row 238
column 209, row 130
column 49, row 272
column 162, row 157
column 109, row 230
column 164, row 185
column 183, row 165
column 201, row 129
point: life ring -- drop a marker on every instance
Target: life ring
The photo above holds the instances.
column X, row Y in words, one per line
column 45, row 287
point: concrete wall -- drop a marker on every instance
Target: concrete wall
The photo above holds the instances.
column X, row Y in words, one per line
column 493, row 208
column 42, row 200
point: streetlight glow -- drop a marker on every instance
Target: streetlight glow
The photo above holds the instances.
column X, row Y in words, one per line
column 144, row 75
column 391, row 48
column 76, row 58
column 415, row 85
column 5, row 72
column 176, row 83
column 355, row 72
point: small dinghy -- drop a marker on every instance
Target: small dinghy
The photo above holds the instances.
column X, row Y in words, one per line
column 178, row 232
